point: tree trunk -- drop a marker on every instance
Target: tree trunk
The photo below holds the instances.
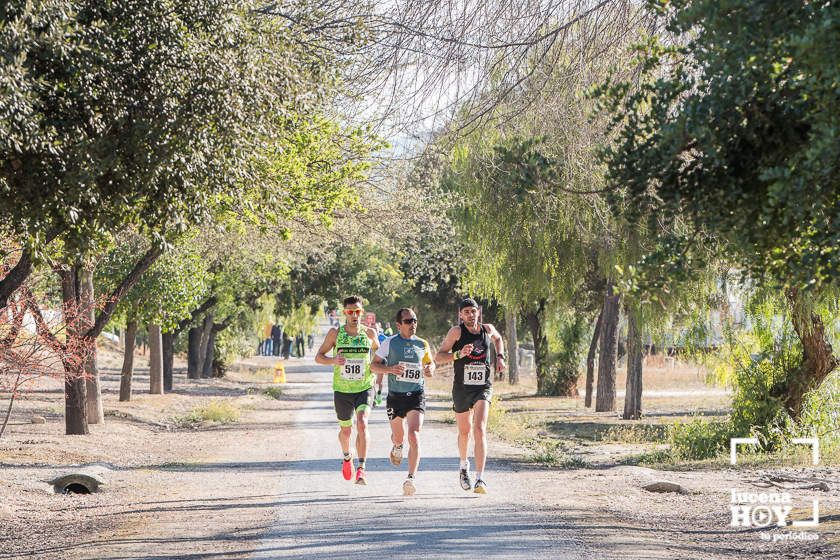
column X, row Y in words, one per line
column 209, row 354
column 818, row 358
column 95, row 413
column 15, row 277
column 75, row 389
column 534, row 317
column 168, row 350
column 590, row 359
column 206, row 328
column 193, row 353
column 155, row 361
column 128, row 361
column 512, row 347
column 635, row 354
column 605, row 399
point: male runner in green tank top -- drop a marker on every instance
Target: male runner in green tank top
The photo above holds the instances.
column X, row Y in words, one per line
column 353, row 346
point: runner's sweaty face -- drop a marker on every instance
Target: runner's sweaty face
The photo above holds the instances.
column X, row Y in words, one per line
column 408, row 329
column 469, row 315
column 353, row 314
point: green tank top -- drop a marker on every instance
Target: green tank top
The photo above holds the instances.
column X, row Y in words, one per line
column 355, row 375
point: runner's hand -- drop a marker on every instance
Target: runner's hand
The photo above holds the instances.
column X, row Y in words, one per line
column 398, row 369
column 466, row 350
column 500, row 364
column 427, row 370
column 339, row 360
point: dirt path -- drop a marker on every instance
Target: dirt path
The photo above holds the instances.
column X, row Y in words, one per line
column 269, row 487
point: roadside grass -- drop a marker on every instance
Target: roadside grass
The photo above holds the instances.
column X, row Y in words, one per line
column 635, row 433
column 216, row 411
column 555, row 454
column 273, row 392
column 788, row 457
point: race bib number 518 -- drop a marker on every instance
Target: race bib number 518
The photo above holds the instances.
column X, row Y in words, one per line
column 353, row 369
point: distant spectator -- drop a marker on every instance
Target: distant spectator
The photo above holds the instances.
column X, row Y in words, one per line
column 287, row 345
column 276, row 339
column 299, row 348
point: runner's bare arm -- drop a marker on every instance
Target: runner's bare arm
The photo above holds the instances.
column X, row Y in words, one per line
column 444, row 354
column 328, row 344
column 378, row 367
column 374, row 340
column 499, row 344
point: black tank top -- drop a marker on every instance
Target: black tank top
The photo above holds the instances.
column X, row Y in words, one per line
column 477, row 364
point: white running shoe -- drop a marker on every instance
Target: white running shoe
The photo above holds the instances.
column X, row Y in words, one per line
column 408, row 486
column 396, row 455
column 464, row 478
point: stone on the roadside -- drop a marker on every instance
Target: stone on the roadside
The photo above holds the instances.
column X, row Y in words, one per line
column 662, row 486
column 38, row 420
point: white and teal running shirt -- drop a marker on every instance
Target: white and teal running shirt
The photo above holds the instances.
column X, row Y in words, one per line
column 413, row 353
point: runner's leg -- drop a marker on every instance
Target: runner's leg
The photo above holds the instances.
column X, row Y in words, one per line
column 481, row 409
column 344, row 438
column 398, row 431
column 415, row 424
column 362, row 431
column 464, row 421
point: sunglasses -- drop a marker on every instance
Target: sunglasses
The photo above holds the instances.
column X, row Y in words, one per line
column 355, row 312
column 409, row 321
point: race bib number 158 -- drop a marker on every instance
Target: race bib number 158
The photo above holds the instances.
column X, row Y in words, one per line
column 413, row 373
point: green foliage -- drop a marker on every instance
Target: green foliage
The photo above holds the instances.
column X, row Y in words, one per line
column 733, row 128
column 217, row 410
column 567, row 336
column 273, row 392
column 700, row 439
column 143, row 112
column 555, row 454
column 167, row 292
column 821, row 415
column 505, row 196
column 755, row 359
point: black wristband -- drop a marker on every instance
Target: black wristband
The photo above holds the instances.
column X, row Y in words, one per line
column 500, row 355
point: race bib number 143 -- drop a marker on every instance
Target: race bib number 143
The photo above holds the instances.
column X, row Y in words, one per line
column 474, row 374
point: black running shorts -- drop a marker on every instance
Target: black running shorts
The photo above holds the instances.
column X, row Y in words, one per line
column 399, row 404
column 347, row 404
column 463, row 400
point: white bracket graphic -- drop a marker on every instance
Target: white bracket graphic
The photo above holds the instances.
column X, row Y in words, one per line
column 733, row 447
column 815, row 447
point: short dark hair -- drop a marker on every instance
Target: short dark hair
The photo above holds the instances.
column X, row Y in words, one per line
column 467, row 302
column 401, row 311
column 352, row 300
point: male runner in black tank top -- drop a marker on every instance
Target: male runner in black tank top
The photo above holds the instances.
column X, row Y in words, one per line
column 468, row 346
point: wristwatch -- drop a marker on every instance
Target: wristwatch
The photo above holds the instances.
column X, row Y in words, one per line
column 500, row 355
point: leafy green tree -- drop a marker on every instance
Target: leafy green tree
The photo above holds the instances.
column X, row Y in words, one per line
column 165, row 295
column 732, row 129
column 143, row 113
